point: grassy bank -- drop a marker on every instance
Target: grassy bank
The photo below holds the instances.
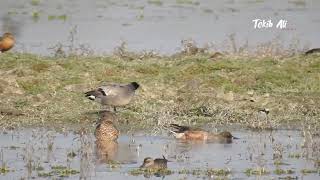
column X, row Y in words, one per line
column 195, row 89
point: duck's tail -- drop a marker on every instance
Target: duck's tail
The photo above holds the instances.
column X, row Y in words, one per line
column 92, row 95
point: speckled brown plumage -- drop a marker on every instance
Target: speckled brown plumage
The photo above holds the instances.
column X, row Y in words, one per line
column 7, row 41
column 188, row 133
column 159, row 163
column 106, row 130
column 106, row 137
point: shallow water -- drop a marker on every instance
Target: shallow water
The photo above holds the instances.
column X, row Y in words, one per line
column 102, row 25
column 46, row 148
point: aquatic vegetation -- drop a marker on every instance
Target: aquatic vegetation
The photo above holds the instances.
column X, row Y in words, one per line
column 35, row 15
column 4, row 170
column 187, row 2
column 35, row 2
column 279, row 171
column 150, row 172
column 256, row 171
column 295, row 155
column 309, row 171
column 155, row 2
column 59, row 17
column 205, row 172
column 113, row 164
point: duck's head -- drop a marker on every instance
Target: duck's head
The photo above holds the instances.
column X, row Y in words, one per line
column 147, row 162
column 226, row 134
column 7, row 35
column 135, row 85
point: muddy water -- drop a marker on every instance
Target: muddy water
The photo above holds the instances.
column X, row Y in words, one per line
column 35, row 153
column 101, row 25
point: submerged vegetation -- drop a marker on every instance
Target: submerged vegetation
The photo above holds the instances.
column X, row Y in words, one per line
column 181, row 88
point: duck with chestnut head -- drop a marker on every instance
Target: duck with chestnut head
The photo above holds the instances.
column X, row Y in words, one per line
column 189, row 133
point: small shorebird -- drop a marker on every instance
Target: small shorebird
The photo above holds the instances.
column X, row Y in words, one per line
column 159, row 163
column 7, row 41
column 114, row 95
column 188, row 133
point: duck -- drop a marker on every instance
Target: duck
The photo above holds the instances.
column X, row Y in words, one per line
column 312, row 51
column 106, row 134
column 106, row 131
column 158, row 163
column 7, row 41
column 114, row 95
column 188, row 133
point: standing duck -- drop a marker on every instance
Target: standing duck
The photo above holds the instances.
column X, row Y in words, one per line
column 114, row 95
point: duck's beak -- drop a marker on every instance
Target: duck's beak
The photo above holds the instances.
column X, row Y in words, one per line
column 235, row 137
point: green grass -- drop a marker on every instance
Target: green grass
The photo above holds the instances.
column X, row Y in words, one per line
column 178, row 88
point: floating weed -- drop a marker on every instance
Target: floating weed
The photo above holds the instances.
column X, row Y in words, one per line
column 71, row 154
column 35, row 2
column 113, row 164
column 58, row 167
column 60, row 17
column 67, row 172
column 257, row 171
column 289, row 178
column 278, row 162
column 208, row 172
column 279, row 171
column 309, row 171
column 35, row 16
column 187, row 2
column 218, row 172
column 294, row 155
column 150, row 172
column 13, row 147
column 45, row 174
column 4, row 169
column 155, row 2
column 39, row 168
column 63, row 171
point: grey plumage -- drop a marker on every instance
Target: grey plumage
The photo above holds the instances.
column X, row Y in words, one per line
column 113, row 94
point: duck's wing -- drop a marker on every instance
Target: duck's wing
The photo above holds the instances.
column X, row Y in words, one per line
column 106, row 90
column 179, row 129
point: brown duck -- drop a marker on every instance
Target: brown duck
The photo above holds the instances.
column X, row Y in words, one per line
column 150, row 163
column 114, row 95
column 106, row 131
column 106, row 137
column 188, row 133
column 6, row 42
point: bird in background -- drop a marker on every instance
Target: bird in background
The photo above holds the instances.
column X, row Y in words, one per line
column 114, row 95
column 7, row 41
